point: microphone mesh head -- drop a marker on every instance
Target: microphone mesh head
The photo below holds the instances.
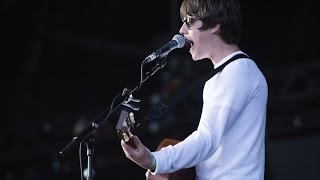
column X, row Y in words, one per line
column 180, row 40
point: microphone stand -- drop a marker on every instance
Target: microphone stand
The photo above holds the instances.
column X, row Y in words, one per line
column 90, row 151
column 87, row 136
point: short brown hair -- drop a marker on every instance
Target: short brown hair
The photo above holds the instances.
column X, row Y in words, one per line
column 227, row 13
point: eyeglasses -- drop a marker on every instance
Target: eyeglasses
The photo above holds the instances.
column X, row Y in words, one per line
column 189, row 21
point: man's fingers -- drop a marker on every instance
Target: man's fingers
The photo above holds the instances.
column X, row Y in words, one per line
column 136, row 140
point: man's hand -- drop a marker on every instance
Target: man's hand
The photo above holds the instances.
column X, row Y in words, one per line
column 141, row 155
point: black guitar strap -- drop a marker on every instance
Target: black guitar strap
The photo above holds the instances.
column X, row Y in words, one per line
column 162, row 107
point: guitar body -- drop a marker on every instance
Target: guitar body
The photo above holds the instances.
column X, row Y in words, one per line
column 182, row 174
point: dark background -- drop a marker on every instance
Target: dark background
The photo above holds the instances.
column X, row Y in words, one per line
column 64, row 61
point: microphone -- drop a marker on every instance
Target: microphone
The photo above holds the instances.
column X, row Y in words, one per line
column 177, row 41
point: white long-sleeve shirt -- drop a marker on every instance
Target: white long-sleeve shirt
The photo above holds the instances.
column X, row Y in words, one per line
column 229, row 143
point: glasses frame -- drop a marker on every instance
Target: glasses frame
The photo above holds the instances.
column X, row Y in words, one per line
column 189, row 20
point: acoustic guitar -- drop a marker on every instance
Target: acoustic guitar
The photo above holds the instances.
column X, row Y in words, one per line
column 125, row 123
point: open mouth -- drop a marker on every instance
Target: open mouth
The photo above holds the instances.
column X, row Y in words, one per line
column 188, row 44
column 191, row 43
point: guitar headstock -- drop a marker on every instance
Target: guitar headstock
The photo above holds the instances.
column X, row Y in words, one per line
column 127, row 122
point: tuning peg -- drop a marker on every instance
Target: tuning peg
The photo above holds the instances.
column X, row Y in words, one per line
column 125, row 137
column 131, row 118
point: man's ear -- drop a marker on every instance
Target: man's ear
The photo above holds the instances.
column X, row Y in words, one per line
column 215, row 28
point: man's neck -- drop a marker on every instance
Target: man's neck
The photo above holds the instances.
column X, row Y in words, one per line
column 223, row 51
